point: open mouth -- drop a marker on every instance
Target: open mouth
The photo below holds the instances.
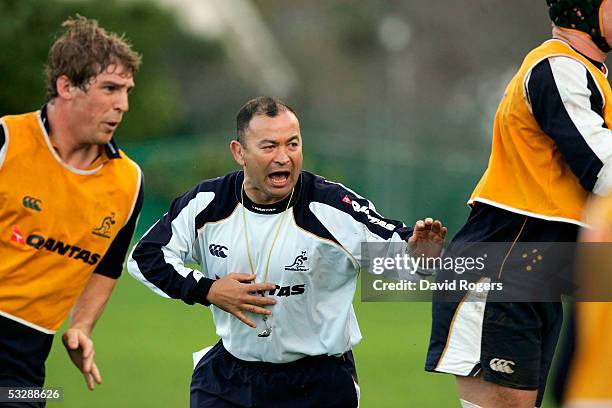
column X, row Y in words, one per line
column 279, row 178
column 111, row 125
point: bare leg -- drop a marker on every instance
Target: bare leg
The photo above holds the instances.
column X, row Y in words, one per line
column 489, row 395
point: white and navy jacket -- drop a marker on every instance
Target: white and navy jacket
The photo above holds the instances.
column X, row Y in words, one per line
column 314, row 263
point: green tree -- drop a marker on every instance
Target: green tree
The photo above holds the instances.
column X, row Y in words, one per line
column 29, row 27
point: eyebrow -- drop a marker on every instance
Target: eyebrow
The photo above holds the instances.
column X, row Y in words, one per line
column 117, row 84
column 274, row 142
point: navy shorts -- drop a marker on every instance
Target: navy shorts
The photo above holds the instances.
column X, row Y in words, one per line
column 510, row 344
column 23, row 352
column 221, row 380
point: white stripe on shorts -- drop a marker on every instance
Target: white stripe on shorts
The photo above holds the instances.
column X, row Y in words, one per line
column 462, row 351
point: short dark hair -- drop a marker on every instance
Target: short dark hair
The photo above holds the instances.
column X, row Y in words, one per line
column 262, row 105
column 84, row 51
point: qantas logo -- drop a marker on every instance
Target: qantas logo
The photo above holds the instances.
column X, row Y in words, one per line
column 283, row 291
column 16, row 236
column 52, row 245
column 286, row 291
column 364, row 209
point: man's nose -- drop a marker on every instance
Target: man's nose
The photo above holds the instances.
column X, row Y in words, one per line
column 281, row 156
column 122, row 103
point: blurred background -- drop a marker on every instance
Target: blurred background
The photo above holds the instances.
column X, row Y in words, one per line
column 396, row 100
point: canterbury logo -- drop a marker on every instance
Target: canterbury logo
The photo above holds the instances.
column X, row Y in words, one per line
column 503, row 366
column 217, row 250
column 32, row 203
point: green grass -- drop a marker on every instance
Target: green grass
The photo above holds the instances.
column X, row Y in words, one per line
column 144, row 345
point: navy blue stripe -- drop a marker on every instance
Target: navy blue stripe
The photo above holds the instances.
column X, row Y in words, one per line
column 111, row 264
column 227, row 191
column 475, row 370
column 596, row 98
column 2, row 137
column 317, row 189
column 112, row 151
column 150, row 258
column 302, row 215
column 551, row 115
column 148, row 252
column 45, row 119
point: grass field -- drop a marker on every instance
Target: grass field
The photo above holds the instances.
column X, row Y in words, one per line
column 144, row 345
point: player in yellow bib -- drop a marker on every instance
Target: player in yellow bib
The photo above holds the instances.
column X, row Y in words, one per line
column 551, row 149
column 585, row 363
column 69, row 200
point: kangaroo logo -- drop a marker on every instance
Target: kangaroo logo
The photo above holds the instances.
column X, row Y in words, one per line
column 104, row 229
column 298, row 263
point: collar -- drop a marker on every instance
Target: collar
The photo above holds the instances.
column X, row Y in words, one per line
column 111, row 149
column 275, row 208
column 599, row 65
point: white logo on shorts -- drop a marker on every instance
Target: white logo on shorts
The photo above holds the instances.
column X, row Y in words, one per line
column 503, row 366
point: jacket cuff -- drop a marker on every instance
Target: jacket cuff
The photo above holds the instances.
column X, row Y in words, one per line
column 201, row 289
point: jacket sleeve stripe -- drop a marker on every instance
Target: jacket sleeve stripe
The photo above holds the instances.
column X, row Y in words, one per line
column 568, row 107
column 158, row 260
column 138, row 197
column 364, row 213
column 352, row 233
column 111, row 264
column 3, row 143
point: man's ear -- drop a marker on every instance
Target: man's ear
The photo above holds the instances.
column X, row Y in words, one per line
column 65, row 88
column 237, row 151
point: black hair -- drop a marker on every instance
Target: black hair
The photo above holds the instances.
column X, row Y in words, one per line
column 262, row 105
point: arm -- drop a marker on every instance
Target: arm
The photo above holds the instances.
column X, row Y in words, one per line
column 85, row 314
column 111, row 264
column 353, row 220
column 426, row 238
column 89, row 307
column 158, row 260
column 593, row 267
column 598, row 214
column 568, row 105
